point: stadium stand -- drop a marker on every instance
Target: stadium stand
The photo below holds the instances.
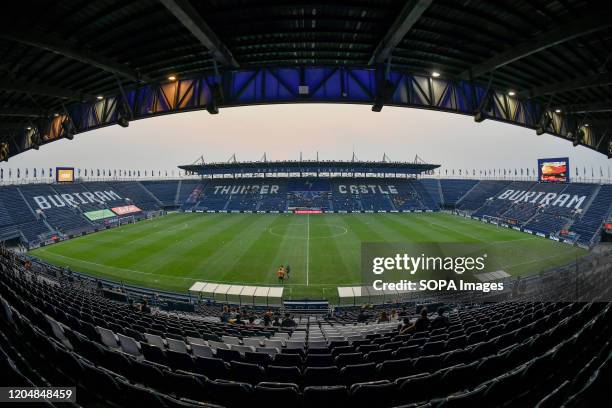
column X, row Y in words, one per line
column 453, row 190
column 575, row 212
column 432, row 186
column 164, row 191
column 481, row 192
column 59, row 214
column 589, row 224
column 54, row 332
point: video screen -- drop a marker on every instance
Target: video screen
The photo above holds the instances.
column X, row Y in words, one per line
column 64, row 174
column 554, row 170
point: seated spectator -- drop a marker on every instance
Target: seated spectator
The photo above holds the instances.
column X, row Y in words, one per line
column 362, row 317
column 404, row 324
column 420, row 324
column 267, row 318
column 403, row 312
column 276, row 322
column 383, row 318
column 237, row 319
column 288, row 321
column 225, row 315
column 440, row 321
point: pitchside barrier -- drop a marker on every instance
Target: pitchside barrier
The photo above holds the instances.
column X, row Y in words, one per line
column 353, row 295
column 223, row 292
column 313, row 211
column 509, row 223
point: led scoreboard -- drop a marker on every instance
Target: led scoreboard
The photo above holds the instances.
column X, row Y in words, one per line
column 554, row 170
column 64, row 174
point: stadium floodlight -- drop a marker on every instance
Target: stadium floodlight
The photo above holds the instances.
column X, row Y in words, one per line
column 511, row 93
column 557, row 110
column 435, row 74
column 171, row 78
column 99, row 97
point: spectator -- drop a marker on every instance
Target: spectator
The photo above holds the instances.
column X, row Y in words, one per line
column 238, row 319
column 404, row 324
column 267, row 318
column 288, row 321
column 225, row 315
column 403, row 312
column 276, row 322
column 420, row 324
column 143, row 307
column 383, row 318
column 440, row 321
column 362, row 317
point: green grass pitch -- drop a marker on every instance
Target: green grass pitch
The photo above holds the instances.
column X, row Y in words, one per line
column 173, row 252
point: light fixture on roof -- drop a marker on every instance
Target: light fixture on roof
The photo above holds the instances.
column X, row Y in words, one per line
column 29, row 128
column 55, row 115
column 557, row 110
column 99, row 97
column 586, row 125
column 435, row 74
column 511, row 93
column 171, row 78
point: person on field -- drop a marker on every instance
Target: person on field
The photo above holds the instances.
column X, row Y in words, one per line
column 281, row 274
column 287, row 270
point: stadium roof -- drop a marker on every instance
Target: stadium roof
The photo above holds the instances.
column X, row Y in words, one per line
column 71, row 66
column 310, row 166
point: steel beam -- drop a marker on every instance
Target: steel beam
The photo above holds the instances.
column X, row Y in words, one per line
column 557, row 35
column 12, row 127
column 13, row 85
column 409, row 15
column 570, row 85
column 56, row 45
column 590, row 107
column 191, row 19
column 22, row 112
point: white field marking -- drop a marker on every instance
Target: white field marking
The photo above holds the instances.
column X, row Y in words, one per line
column 528, row 238
column 113, row 267
column 343, row 231
column 307, row 247
column 530, row 262
column 181, row 277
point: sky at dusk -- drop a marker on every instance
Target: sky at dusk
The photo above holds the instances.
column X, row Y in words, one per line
column 283, row 131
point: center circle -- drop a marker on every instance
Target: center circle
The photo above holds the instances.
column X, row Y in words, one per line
column 336, row 231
